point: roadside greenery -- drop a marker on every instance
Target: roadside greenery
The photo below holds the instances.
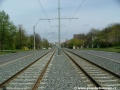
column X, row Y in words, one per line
column 105, row 38
column 15, row 37
column 10, row 51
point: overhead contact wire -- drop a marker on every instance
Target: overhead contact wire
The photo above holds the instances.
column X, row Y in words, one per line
column 44, row 13
column 76, row 13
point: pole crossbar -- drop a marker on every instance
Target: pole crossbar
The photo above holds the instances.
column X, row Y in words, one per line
column 57, row 18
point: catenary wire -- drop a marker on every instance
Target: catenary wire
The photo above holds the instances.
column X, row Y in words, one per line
column 43, row 9
column 45, row 14
column 75, row 13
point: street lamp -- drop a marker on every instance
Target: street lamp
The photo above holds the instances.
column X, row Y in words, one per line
column 34, row 32
column 34, row 36
column 59, row 46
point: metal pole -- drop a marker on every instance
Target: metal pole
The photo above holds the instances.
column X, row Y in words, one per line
column 59, row 46
column 34, row 36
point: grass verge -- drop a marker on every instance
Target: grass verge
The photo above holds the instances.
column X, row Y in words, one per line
column 10, row 51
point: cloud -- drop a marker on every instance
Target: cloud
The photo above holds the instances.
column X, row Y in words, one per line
column 93, row 13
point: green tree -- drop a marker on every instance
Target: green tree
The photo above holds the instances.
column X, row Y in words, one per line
column 38, row 41
column 30, row 41
column 92, row 36
column 4, row 28
column 20, row 38
column 45, row 43
column 10, row 44
column 114, row 34
column 74, row 42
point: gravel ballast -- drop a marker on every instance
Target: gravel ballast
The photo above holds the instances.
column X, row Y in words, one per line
column 62, row 75
column 108, row 64
column 6, row 71
column 110, row 55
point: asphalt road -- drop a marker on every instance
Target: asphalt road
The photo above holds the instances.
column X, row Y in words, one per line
column 109, row 55
column 12, row 56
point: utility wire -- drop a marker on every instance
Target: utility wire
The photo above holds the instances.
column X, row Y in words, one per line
column 44, row 13
column 78, row 8
column 43, row 9
column 37, row 22
column 75, row 13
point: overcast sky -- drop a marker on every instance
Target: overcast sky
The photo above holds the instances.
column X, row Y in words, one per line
column 92, row 14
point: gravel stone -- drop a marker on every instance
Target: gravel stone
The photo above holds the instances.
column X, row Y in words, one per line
column 62, row 75
column 108, row 64
column 6, row 71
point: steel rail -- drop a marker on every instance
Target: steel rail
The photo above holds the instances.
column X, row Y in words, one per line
column 103, row 57
column 2, row 85
column 42, row 74
column 114, row 74
column 88, row 75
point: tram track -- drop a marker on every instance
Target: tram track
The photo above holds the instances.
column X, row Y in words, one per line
column 109, row 63
column 94, row 74
column 28, row 78
column 103, row 57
